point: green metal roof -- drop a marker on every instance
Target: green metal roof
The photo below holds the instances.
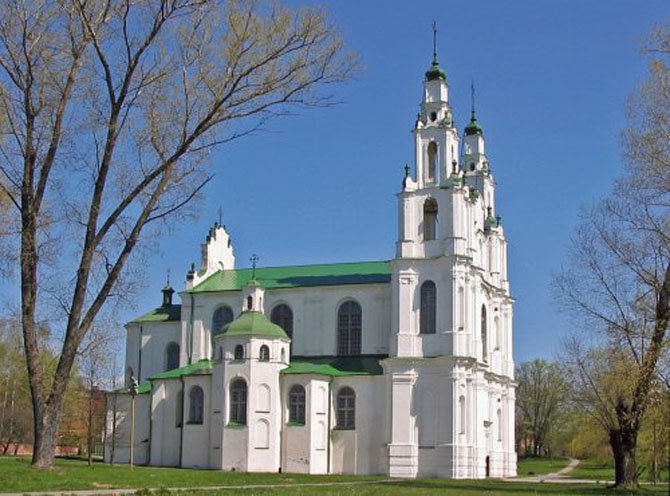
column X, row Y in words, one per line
column 252, row 323
column 171, row 313
column 202, row 366
column 335, row 366
column 435, row 71
column 296, row 276
column 473, row 127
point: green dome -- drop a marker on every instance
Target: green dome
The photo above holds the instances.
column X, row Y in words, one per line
column 473, row 127
column 253, row 323
column 435, row 71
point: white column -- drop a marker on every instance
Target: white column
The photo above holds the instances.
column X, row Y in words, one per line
column 403, row 449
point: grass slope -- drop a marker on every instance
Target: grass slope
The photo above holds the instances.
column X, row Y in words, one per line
column 16, row 475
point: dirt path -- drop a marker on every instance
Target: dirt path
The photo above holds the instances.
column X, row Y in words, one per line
column 554, row 476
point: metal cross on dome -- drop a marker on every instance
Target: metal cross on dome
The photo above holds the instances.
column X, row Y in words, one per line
column 254, row 260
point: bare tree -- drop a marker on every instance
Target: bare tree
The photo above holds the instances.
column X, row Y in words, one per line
column 110, row 109
column 96, row 365
column 618, row 280
column 540, row 396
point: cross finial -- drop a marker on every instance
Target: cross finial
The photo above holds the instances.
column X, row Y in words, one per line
column 434, row 42
column 220, row 216
column 406, row 170
column 472, row 96
column 254, row 260
column 168, row 277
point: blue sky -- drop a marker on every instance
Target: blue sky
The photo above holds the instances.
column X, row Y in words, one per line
column 551, row 79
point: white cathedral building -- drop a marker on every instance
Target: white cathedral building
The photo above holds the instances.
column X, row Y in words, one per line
column 400, row 367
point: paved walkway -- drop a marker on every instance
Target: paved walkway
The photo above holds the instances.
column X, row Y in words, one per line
column 557, row 477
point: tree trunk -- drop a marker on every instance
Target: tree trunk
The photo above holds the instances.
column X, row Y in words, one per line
column 46, row 425
column 623, row 444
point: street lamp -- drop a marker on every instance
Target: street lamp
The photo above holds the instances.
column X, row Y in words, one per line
column 133, row 392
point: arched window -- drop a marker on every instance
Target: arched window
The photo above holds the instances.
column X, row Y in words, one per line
column 346, row 408
column 238, row 401
column 171, row 356
column 222, row 317
column 432, row 162
column 250, row 302
column 428, row 308
column 461, row 408
column 264, row 355
column 196, row 399
column 239, row 352
column 484, row 345
column 296, row 404
column 498, row 335
column 283, row 355
column 430, row 219
column 349, row 329
column 282, row 315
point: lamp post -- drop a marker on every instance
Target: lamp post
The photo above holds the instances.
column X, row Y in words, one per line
column 133, row 392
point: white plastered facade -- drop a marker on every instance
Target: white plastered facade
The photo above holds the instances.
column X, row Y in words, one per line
column 441, row 403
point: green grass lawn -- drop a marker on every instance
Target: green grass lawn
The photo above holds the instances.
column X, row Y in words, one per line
column 595, row 470
column 540, row 466
column 440, row 487
column 16, row 475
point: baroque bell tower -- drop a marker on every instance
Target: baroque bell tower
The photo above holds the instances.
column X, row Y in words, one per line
column 450, row 369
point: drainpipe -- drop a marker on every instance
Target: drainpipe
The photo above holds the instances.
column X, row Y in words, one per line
column 330, row 408
column 181, row 428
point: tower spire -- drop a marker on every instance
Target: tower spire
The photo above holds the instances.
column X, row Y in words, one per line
column 472, row 95
column 434, row 42
column 435, row 71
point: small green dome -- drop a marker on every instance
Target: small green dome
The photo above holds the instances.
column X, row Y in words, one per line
column 253, row 323
column 435, row 72
column 473, row 127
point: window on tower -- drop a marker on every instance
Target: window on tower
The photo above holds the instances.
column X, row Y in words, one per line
column 430, row 219
column 264, row 355
column 239, row 352
column 428, row 308
column 238, row 402
column 431, row 172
